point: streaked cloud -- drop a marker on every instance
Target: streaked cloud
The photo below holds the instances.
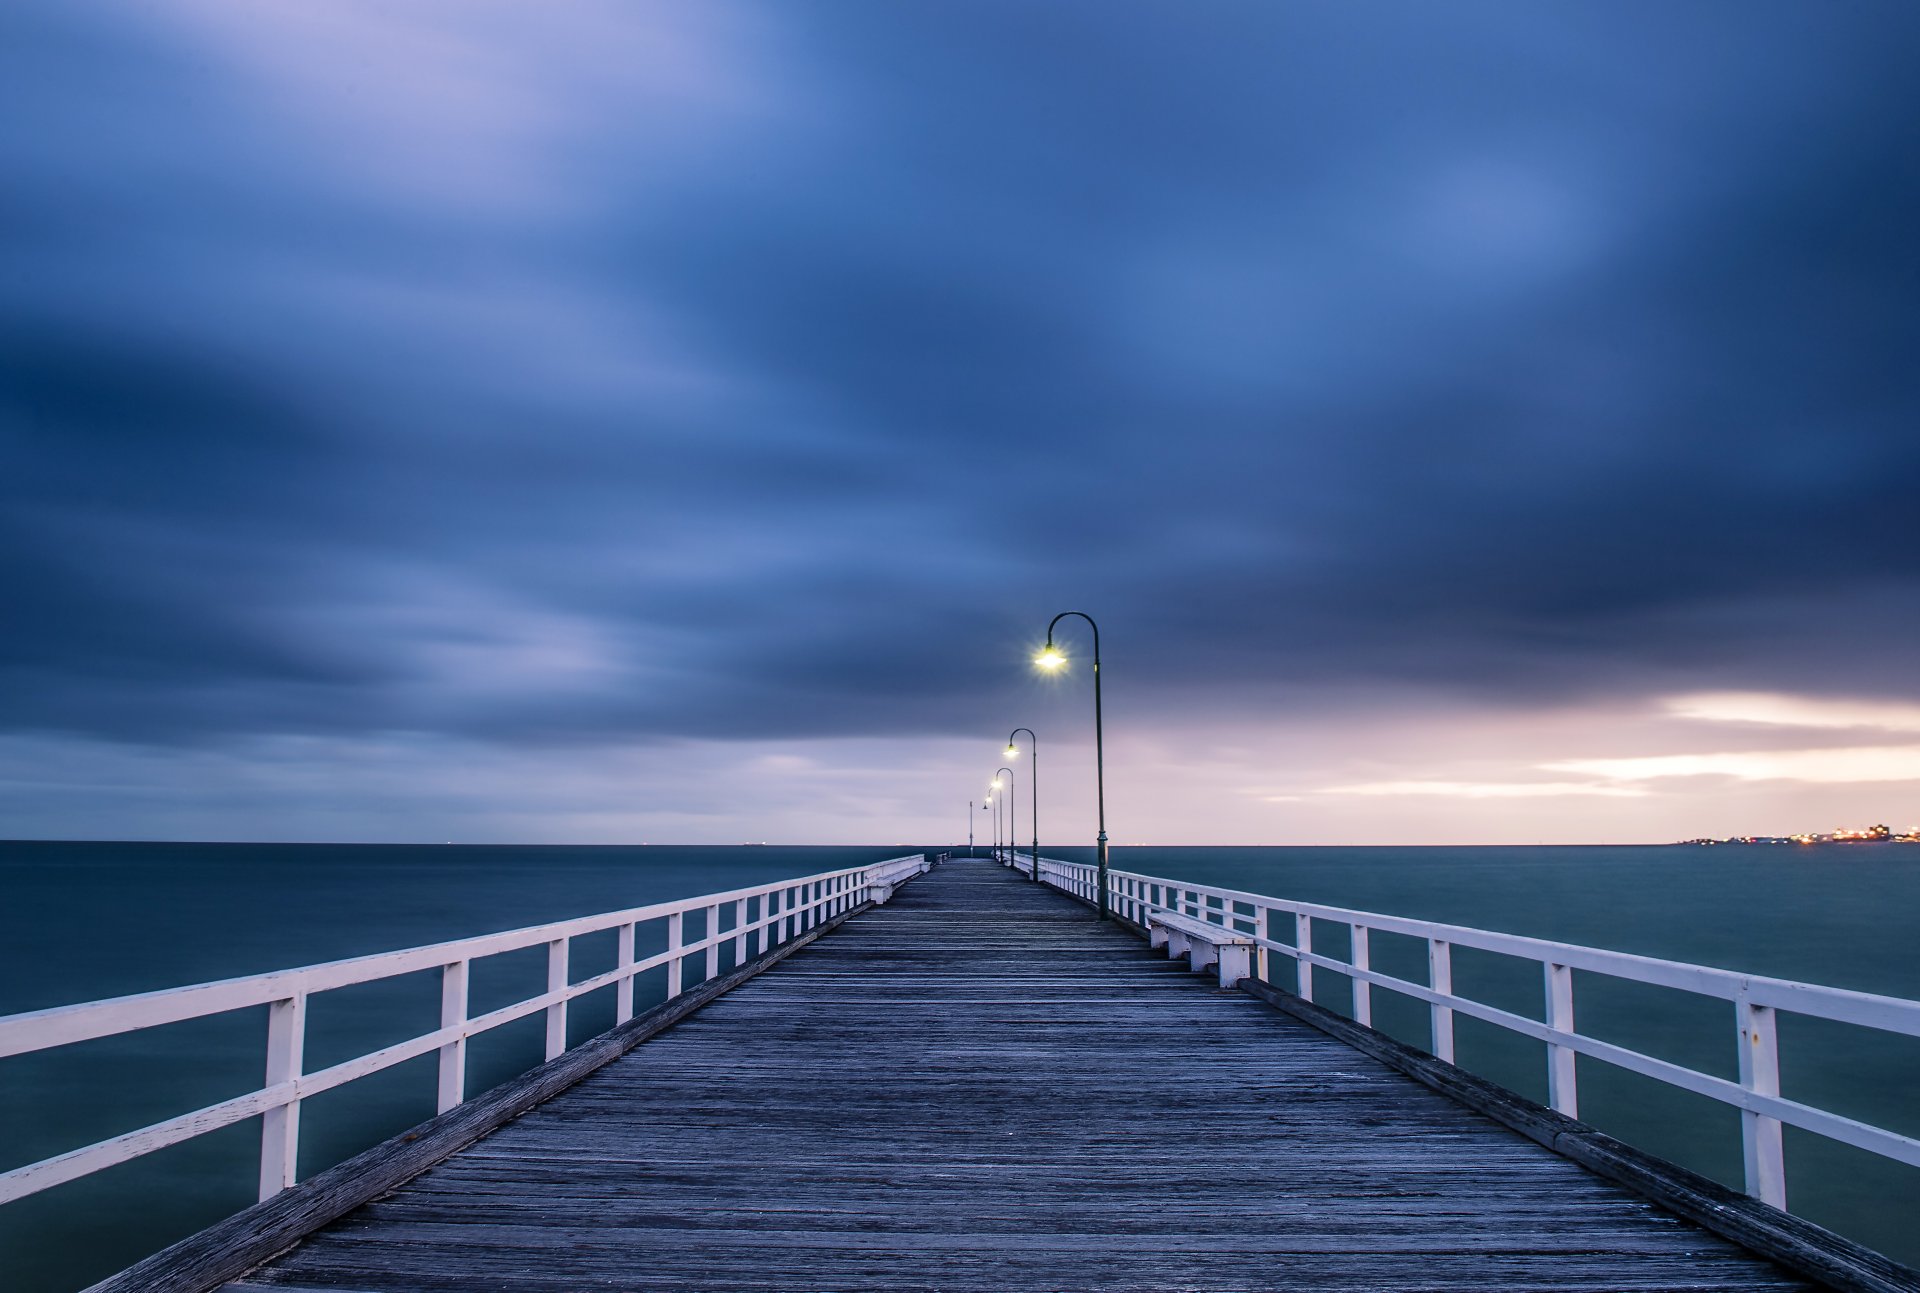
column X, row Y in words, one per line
column 393, row 386
column 1777, row 710
column 1831, row 767
column 1486, row 789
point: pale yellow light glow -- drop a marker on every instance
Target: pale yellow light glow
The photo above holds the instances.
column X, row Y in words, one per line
column 1050, row 658
column 1013, row 751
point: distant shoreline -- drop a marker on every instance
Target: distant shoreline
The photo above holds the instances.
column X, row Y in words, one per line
column 1872, row 835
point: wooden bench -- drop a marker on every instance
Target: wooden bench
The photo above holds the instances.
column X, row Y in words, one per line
column 1203, row 944
column 885, row 877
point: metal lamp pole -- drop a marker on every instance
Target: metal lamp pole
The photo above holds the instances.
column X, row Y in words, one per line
column 1033, row 784
column 1012, row 855
column 1051, row 657
column 969, row 828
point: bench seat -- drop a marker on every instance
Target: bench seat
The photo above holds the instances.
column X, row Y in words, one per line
column 1203, row 944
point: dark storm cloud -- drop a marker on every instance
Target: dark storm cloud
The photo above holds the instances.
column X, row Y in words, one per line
column 766, row 376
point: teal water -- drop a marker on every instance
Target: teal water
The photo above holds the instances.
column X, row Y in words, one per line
column 82, row 921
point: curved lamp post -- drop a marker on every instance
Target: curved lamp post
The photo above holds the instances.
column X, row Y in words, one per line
column 987, row 806
column 1010, row 806
column 1033, row 784
column 969, row 828
column 1051, row 658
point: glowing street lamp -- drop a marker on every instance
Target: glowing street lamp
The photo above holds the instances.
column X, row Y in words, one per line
column 1033, row 781
column 1010, row 805
column 1052, row 659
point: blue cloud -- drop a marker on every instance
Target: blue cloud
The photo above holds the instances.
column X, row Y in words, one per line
column 644, row 373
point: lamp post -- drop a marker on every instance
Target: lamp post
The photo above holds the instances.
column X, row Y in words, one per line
column 988, row 806
column 1012, row 855
column 1051, row 657
column 1033, row 784
column 969, row 828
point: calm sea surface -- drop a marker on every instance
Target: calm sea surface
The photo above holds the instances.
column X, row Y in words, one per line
column 82, row 921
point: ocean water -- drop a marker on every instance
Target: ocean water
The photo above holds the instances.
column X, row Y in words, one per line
column 83, row 921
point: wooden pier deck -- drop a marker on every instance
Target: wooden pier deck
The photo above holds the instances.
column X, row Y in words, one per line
column 978, row 1086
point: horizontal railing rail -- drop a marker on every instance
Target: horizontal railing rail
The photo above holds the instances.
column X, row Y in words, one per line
column 766, row 916
column 1755, row 1000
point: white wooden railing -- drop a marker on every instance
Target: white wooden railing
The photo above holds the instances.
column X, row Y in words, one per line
column 765, row 915
column 1755, row 999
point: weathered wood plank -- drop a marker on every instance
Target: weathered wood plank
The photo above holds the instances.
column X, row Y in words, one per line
column 967, row 1089
column 231, row 1247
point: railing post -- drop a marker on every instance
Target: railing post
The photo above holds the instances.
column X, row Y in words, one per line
column 712, row 939
column 1260, row 969
column 280, row 1127
column 674, row 940
column 1362, row 990
column 740, row 933
column 623, row 988
column 766, row 930
column 453, row 1055
column 1561, row 1093
column 1440, row 979
column 1303, row 940
column 557, row 1012
column 1766, row 1166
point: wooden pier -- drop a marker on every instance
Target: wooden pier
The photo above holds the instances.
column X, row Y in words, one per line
column 977, row 1085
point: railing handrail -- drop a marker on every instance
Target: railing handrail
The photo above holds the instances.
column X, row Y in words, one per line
column 1755, row 998
column 36, row 1030
column 1855, row 1007
column 785, row 908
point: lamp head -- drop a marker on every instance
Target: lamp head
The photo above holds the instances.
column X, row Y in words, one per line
column 1050, row 658
column 1013, row 751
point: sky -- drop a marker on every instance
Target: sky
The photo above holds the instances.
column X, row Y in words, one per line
column 1469, row 423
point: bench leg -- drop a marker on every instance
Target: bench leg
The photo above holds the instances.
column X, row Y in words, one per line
column 1202, row 956
column 1176, row 944
column 1156, row 936
column 1236, row 963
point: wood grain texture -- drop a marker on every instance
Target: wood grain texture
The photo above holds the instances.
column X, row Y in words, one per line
column 970, row 1088
column 228, row 1248
column 1830, row 1259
